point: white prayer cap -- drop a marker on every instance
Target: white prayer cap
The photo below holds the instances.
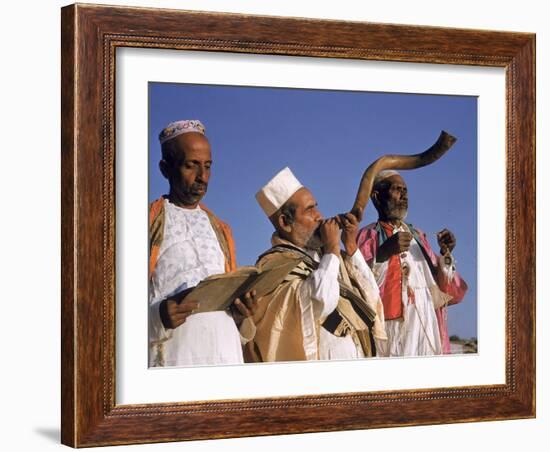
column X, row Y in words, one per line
column 278, row 191
column 384, row 174
column 176, row 128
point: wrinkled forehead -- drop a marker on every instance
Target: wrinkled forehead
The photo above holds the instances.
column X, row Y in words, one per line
column 303, row 198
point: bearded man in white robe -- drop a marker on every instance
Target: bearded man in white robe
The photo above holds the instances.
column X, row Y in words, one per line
column 328, row 306
column 416, row 285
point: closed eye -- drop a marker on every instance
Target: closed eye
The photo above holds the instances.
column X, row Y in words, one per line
column 311, row 206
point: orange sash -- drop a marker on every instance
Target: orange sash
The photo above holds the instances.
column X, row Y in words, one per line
column 156, row 233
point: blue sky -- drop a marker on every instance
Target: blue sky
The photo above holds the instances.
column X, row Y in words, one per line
column 328, row 138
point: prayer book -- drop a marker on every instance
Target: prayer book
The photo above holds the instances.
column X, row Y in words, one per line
column 218, row 292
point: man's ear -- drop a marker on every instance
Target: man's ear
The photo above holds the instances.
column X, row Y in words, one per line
column 283, row 223
column 164, row 169
column 375, row 197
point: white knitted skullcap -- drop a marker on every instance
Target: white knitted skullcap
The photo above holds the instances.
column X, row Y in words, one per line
column 177, row 128
column 384, row 174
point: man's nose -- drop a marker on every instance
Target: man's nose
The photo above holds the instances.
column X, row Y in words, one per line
column 202, row 175
column 318, row 216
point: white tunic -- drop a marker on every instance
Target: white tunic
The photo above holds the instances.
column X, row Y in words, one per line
column 189, row 253
column 320, row 293
column 417, row 333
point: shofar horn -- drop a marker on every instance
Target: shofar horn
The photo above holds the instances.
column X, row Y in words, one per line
column 398, row 162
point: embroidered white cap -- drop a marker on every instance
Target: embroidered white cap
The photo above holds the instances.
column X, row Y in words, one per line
column 278, row 191
column 177, row 128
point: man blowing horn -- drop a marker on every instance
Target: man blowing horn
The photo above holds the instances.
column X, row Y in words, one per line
column 328, row 307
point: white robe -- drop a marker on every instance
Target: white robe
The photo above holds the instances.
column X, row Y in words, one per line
column 417, row 333
column 320, row 293
column 189, row 253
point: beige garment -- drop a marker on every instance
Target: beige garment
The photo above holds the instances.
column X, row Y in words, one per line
column 285, row 332
column 280, row 333
column 358, row 275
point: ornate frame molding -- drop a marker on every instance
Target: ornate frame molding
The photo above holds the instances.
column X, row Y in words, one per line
column 90, row 37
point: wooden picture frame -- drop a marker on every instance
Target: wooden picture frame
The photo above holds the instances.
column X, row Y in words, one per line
column 90, row 37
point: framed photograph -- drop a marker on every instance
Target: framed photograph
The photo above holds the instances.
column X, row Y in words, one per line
column 321, row 101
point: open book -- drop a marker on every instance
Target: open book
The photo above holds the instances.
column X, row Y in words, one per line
column 218, row 292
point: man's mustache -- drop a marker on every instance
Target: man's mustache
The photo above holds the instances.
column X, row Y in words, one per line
column 398, row 204
column 198, row 186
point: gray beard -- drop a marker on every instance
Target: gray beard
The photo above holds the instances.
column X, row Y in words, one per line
column 312, row 241
column 394, row 212
column 397, row 214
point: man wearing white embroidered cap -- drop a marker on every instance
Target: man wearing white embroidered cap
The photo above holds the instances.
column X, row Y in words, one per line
column 187, row 244
column 328, row 306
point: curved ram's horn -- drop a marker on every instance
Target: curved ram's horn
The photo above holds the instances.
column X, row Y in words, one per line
column 398, row 162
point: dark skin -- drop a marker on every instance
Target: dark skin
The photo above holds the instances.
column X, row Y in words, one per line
column 188, row 173
column 446, row 241
column 309, row 221
column 350, row 227
column 391, row 199
column 245, row 308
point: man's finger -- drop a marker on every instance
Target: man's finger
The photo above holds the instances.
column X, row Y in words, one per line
column 447, row 239
column 179, row 319
column 186, row 307
column 241, row 307
column 176, row 323
column 249, row 299
column 179, row 315
column 351, row 218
